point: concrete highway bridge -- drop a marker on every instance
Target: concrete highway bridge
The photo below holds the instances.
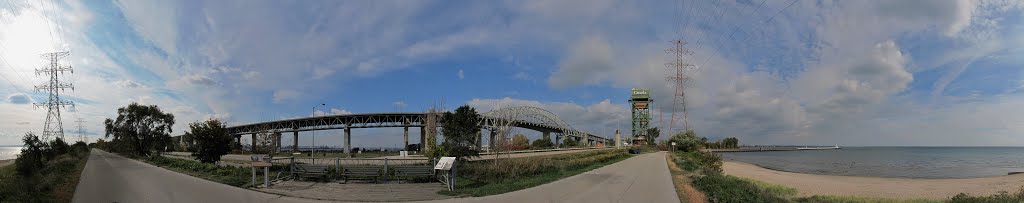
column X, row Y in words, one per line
column 522, row 117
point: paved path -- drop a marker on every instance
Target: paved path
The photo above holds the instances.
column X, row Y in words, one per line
column 639, row 179
column 111, row 178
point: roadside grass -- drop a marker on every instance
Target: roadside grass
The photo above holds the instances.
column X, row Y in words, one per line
column 56, row 182
column 852, row 199
column 482, row 178
column 229, row 175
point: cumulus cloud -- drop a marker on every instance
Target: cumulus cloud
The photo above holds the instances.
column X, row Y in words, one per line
column 585, row 63
column 283, row 95
column 461, row 74
column 19, row 98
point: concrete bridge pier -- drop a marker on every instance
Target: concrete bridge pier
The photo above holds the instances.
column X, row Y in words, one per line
column 558, row 140
column 348, row 141
column 405, row 135
column 277, row 142
column 295, row 140
column 252, row 148
column 423, row 139
column 493, row 141
column 546, row 135
column 479, row 139
column 238, row 140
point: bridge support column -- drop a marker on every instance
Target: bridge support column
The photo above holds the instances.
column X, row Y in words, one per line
column 348, row 141
column 479, row 138
column 423, row 139
column 252, row 149
column 558, row 140
column 277, row 142
column 586, row 140
column 493, row 141
column 238, row 141
column 295, row 141
column 405, row 135
column 546, row 135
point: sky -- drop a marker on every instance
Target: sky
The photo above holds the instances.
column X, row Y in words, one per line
column 800, row 72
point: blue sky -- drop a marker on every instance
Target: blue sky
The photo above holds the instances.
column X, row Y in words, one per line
column 770, row 72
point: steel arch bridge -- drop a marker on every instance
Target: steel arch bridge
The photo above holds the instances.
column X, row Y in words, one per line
column 525, row 117
column 535, row 119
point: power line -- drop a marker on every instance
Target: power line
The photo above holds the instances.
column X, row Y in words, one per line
column 761, row 25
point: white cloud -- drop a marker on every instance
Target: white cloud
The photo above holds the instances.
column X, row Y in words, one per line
column 19, row 98
column 587, row 61
column 399, row 104
column 283, row 95
column 461, row 74
column 155, row 21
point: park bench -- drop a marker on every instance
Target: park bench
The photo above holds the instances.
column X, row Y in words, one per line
column 303, row 170
column 360, row 172
column 410, row 172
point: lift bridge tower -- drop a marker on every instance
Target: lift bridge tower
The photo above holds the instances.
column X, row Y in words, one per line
column 640, row 103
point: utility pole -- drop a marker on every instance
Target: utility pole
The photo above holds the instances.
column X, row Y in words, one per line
column 681, row 80
column 53, row 126
column 81, row 130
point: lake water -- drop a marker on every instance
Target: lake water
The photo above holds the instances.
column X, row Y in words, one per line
column 9, row 152
column 903, row 162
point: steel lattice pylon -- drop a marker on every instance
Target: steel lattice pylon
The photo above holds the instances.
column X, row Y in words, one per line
column 54, row 127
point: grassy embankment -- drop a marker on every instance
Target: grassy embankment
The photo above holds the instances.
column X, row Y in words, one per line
column 482, row 178
column 717, row 187
column 56, row 182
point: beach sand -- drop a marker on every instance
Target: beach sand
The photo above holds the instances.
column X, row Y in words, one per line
column 6, row 162
column 899, row 188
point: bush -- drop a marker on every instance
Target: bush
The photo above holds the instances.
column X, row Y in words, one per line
column 569, row 142
column 1002, row 196
column 725, row 188
column 542, row 144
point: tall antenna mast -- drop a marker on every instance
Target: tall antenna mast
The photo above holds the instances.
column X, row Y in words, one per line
column 53, row 126
column 681, row 80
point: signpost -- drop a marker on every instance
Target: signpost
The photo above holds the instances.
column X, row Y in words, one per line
column 447, row 167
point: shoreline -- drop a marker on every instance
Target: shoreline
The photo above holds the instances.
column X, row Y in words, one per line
column 860, row 186
column 5, row 162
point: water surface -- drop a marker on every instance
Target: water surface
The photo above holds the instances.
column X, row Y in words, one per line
column 901, row 162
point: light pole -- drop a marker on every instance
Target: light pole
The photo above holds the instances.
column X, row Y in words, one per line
column 313, row 149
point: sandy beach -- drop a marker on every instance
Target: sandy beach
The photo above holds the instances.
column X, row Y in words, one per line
column 900, row 188
column 6, row 162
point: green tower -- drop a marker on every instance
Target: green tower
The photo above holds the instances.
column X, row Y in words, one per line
column 640, row 103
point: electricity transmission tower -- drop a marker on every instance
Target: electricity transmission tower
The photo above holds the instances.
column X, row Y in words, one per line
column 81, row 130
column 681, row 80
column 53, row 126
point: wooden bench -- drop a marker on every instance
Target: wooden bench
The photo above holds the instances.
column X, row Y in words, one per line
column 410, row 172
column 303, row 170
column 361, row 172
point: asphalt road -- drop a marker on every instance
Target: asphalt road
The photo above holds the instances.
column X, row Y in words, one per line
column 639, row 179
column 112, row 178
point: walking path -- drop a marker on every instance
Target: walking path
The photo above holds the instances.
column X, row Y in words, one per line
column 901, row 188
column 112, row 178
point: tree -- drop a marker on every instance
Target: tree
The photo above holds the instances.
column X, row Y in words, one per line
column 139, row 129
column 569, row 142
column 730, row 142
column 688, row 141
column 30, row 160
column 653, row 133
column 460, row 130
column 543, row 143
column 211, row 140
column 520, row 140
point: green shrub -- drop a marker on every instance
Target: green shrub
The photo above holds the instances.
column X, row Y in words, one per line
column 1000, row 197
column 725, row 188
